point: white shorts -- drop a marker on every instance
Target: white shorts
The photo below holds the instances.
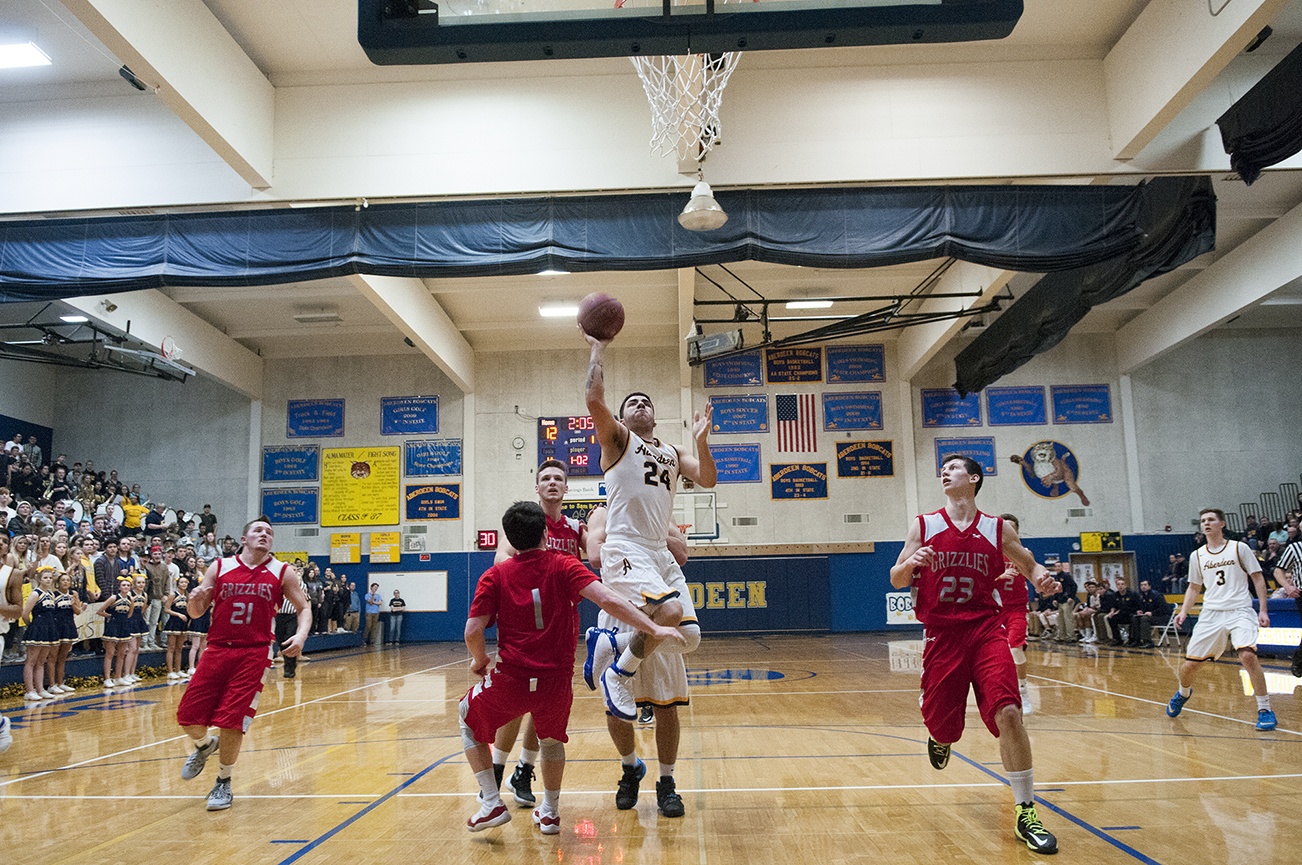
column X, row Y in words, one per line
column 641, row 574
column 1217, row 628
column 661, row 679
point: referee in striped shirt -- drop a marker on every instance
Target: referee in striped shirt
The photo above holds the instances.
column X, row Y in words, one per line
column 287, row 625
column 1290, row 563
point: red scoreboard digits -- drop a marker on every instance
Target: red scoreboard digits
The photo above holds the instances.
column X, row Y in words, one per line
column 572, row 440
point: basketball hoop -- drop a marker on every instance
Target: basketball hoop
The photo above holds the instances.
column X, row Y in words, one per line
column 169, row 349
column 683, row 527
column 685, row 93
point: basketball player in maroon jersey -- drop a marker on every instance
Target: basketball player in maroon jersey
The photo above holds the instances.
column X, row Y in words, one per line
column 955, row 556
column 244, row 591
column 567, row 535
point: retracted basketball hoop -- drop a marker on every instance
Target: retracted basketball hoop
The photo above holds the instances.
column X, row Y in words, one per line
column 169, row 349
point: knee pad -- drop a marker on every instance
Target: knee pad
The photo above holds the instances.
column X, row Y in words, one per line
column 1019, row 656
column 467, row 737
column 691, row 632
column 552, row 750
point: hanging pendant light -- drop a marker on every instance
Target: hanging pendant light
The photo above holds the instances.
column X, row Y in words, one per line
column 702, row 212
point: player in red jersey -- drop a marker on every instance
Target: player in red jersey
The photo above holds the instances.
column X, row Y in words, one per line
column 244, row 592
column 1013, row 601
column 955, row 556
column 533, row 599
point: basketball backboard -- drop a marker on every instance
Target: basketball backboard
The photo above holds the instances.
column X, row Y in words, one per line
column 418, row 32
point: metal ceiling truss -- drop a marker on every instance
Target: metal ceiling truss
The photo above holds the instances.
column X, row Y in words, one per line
column 84, row 345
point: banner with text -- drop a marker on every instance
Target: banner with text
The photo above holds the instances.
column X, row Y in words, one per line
column 359, row 486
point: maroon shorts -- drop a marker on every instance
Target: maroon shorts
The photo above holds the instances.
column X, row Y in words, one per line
column 503, row 697
column 223, row 692
column 956, row 658
column 1015, row 622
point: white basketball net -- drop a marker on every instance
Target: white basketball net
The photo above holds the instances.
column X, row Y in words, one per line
column 685, row 93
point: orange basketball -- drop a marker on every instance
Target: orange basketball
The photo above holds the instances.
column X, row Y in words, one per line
column 601, row 316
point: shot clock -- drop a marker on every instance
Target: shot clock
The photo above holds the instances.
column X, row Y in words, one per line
column 573, row 441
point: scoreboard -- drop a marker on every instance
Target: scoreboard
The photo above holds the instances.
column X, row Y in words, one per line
column 573, row 441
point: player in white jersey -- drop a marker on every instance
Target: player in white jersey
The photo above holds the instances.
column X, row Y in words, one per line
column 636, row 563
column 1222, row 569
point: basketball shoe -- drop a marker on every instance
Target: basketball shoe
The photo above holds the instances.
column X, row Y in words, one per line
column 646, row 715
column 937, row 753
column 626, row 793
column 522, row 785
column 489, row 816
column 195, row 762
column 548, row 824
column 1025, row 689
column 1177, row 703
column 601, row 654
column 6, row 737
column 1266, row 719
column 219, row 798
column 619, row 698
column 1030, row 830
column 667, row 798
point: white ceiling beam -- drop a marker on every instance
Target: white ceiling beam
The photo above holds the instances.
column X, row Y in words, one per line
column 407, row 303
column 150, row 316
column 202, row 73
column 1242, row 277
column 919, row 344
column 1168, row 56
column 310, row 331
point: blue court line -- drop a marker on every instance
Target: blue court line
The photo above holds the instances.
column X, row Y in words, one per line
column 1062, row 812
column 1119, row 828
column 317, row 842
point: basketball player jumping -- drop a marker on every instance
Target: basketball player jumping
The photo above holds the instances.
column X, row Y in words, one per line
column 636, row 563
column 1223, row 568
column 955, row 556
column 244, row 591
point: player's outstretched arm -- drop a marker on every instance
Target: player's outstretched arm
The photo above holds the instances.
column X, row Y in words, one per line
column 611, row 434
column 474, row 637
column 1259, row 583
column 292, row 587
column 200, row 598
column 1191, row 593
column 913, row 556
column 1022, row 559
column 629, row 614
column 700, row 468
column 596, row 536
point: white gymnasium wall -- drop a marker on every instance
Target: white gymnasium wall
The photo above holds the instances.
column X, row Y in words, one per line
column 1219, row 423
column 185, row 444
column 361, row 382
column 25, row 393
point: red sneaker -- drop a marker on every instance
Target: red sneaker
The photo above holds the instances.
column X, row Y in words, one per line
column 548, row 824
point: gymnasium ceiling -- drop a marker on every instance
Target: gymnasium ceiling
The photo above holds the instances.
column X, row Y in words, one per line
column 289, row 53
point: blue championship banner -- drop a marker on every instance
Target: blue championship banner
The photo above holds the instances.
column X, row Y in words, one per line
column 943, row 406
column 432, row 502
column 739, row 370
column 314, row 418
column 798, row 480
column 432, row 457
column 1016, row 406
column 288, row 507
column 740, row 414
column 865, row 459
column 1081, row 403
column 849, row 411
column 409, row 415
column 854, row 363
column 737, row 464
column 792, row 365
column 979, row 448
column 293, row 463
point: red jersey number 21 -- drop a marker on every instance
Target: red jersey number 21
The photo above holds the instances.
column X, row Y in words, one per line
column 241, row 613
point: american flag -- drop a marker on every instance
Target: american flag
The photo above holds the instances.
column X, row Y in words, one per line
column 796, row 424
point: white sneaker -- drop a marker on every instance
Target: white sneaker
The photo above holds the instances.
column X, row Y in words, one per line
column 109, row 683
column 173, row 676
column 548, row 824
column 1027, row 708
column 6, row 738
column 46, row 695
column 31, row 696
column 619, row 699
column 59, row 689
column 67, row 689
column 189, row 672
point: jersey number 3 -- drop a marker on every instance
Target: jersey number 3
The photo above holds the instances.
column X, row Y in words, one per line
column 956, row 590
column 651, row 478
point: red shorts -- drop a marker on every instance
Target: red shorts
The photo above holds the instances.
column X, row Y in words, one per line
column 503, row 697
column 223, row 692
column 1015, row 623
column 956, row 658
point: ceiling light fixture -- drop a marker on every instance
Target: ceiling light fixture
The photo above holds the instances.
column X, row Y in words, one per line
column 702, row 212
column 74, row 319
column 321, row 315
column 809, row 304
column 19, row 54
column 551, row 272
column 569, row 310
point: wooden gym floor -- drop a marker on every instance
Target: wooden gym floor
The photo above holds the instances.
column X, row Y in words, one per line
column 795, row 749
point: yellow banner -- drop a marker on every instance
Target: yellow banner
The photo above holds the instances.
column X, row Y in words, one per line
column 292, row 557
column 386, row 547
column 359, row 486
column 345, row 548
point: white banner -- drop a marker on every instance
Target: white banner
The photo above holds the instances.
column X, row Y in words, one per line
column 899, row 609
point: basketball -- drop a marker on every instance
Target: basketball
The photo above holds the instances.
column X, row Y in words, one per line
column 601, row 316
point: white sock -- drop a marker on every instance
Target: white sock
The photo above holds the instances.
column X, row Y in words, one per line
column 623, row 638
column 1023, row 786
column 1263, row 702
column 1186, row 692
column 551, row 801
column 500, row 757
column 208, row 738
column 666, row 770
column 488, row 787
column 628, row 662
column 224, row 771
column 529, row 758
column 629, row 759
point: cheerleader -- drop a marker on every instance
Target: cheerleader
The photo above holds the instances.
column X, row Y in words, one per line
column 177, row 627
column 117, row 632
column 42, row 633
column 198, row 629
column 69, row 606
column 139, row 627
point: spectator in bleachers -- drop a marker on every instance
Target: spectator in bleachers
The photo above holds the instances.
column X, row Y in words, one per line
column 1176, row 573
column 208, row 548
column 22, row 524
column 353, row 619
column 1270, row 559
column 1278, row 534
column 1119, row 607
column 132, row 514
column 152, row 522
column 229, row 546
column 207, row 521
column 1089, row 614
column 1154, row 611
column 33, row 450
column 7, row 512
column 1067, row 602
